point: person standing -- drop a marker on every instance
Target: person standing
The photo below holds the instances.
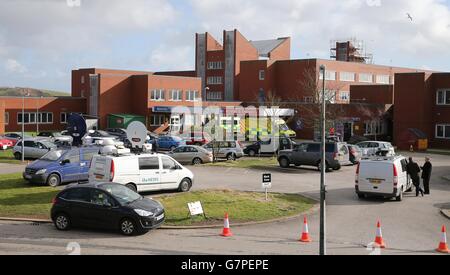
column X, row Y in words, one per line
column 413, row 171
column 426, row 175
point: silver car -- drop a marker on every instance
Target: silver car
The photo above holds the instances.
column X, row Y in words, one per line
column 371, row 148
column 195, row 155
column 230, row 150
column 33, row 148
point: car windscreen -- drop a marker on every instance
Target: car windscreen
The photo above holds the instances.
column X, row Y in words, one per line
column 53, row 155
column 48, row 144
column 122, row 194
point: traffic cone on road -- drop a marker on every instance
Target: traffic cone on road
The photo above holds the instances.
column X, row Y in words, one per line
column 305, row 235
column 443, row 247
column 379, row 239
column 226, row 227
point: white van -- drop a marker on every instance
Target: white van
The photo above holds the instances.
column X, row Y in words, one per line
column 141, row 173
column 383, row 176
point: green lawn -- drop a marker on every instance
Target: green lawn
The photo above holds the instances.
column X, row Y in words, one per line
column 21, row 199
column 7, row 156
column 241, row 206
column 247, row 163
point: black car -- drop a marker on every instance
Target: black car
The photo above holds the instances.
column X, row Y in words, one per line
column 106, row 206
column 117, row 132
column 255, row 148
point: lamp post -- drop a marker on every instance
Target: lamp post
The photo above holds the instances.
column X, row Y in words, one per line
column 205, row 94
column 323, row 170
column 23, row 128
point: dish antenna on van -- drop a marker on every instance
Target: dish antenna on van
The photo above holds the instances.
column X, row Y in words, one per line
column 137, row 135
column 77, row 128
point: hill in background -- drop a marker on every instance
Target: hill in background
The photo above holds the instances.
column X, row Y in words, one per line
column 6, row 91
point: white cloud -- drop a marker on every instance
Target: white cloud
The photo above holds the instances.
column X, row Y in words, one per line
column 13, row 66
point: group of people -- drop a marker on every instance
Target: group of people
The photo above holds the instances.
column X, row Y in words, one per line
column 414, row 170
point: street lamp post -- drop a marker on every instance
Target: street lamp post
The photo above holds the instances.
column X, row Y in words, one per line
column 23, row 128
column 323, row 170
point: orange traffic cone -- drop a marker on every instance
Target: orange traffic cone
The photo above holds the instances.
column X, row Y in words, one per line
column 226, row 227
column 305, row 235
column 379, row 239
column 443, row 247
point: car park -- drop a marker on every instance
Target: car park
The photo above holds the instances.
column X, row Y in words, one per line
column 170, row 142
column 269, row 146
column 142, row 173
column 97, row 136
column 309, row 154
column 191, row 155
column 33, row 148
column 371, row 148
column 61, row 166
column 57, row 138
column 106, row 206
column 229, row 150
column 383, row 176
column 196, row 138
column 5, row 143
column 355, row 153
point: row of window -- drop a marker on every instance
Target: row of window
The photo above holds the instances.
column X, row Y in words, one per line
column 443, row 131
column 33, row 118
column 216, row 65
column 214, row 80
column 174, row 95
column 351, row 77
column 443, row 97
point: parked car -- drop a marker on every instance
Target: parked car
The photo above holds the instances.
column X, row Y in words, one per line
column 382, row 176
column 95, row 136
column 196, row 138
column 371, row 148
column 191, row 155
column 142, row 173
column 309, row 154
column 61, row 166
column 14, row 137
column 57, row 138
column 5, row 143
column 230, row 150
column 108, row 206
column 117, row 132
column 170, row 142
column 269, row 146
column 355, row 153
column 33, row 148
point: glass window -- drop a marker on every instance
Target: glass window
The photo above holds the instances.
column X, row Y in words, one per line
column 79, row 194
column 262, row 75
column 63, row 118
column 329, row 75
column 347, row 76
column 313, row 148
column 30, row 144
column 383, row 79
column 192, row 96
column 366, row 78
column 100, row 198
column 176, row 95
column 214, row 95
column 88, row 155
column 73, row 156
column 157, row 95
column 149, row 163
column 168, row 164
column 214, row 80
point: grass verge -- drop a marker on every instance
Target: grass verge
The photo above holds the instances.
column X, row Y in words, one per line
column 6, row 156
column 247, row 163
column 241, row 206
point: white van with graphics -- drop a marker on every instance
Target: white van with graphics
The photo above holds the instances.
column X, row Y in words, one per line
column 141, row 173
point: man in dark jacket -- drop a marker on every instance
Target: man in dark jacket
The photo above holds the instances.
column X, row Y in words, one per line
column 413, row 171
column 426, row 175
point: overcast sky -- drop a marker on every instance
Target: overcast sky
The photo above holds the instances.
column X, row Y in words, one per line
column 41, row 41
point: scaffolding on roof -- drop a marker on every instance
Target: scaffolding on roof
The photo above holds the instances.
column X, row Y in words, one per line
column 350, row 50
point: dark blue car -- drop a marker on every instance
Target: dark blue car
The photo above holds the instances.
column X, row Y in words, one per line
column 61, row 166
column 170, row 142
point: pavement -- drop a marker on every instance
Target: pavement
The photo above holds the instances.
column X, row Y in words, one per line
column 410, row 227
column 11, row 168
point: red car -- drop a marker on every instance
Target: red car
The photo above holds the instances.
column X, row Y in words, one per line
column 196, row 138
column 5, row 144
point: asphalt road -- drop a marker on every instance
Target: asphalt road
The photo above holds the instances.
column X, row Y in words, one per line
column 410, row 227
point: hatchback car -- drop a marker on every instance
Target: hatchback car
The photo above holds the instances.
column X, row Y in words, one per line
column 107, row 206
column 170, row 142
column 372, row 148
column 230, row 150
column 5, row 143
column 57, row 138
column 191, row 155
column 33, row 148
column 61, row 166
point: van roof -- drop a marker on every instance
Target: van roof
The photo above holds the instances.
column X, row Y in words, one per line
column 382, row 159
column 131, row 156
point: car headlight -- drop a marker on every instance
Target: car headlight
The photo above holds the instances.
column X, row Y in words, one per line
column 41, row 172
column 143, row 213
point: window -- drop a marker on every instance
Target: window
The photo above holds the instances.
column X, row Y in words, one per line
column 82, row 79
column 329, row 75
column 346, row 76
column 176, row 95
column 88, row 155
column 6, row 118
column 216, row 65
column 82, row 93
column 344, row 96
column 192, row 96
column 262, row 75
column 157, row 120
column 214, row 80
column 168, row 164
column 366, row 78
column 100, row 198
column 308, row 99
column 157, row 95
column 443, row 131
column 73, row 156
column 383, row 79
column 214, row 96
column 149, row 163
column 31, row 118
column 443, row 97
column 79, row 194
column 330, row 96
column 63, row 118
column 373, row 128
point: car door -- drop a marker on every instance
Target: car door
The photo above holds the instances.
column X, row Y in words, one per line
column 170, row 175
column 267, row 147
column 29, row 149
column 312, row 155
column 78, row 205
column 70, row 166
column 102, row 210
column 85, row 161
column 149, row 173
column 163, row 143
column 179, row 154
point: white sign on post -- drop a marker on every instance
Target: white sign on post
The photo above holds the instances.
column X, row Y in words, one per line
column 195, row 208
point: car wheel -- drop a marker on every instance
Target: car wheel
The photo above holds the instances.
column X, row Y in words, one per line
column 319, row 167
column 62, row 222
column 18, row 156
column 252, row 153
column 128, row 227
column 231, row 157
column 132, row 187
column 361, row 196
column 399, row 198
column 197, row 161
column 284, row 163
column 185, row 186
column 54, row 180
column 172, row 148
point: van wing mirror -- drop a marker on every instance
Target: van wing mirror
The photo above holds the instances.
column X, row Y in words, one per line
column 66, row 161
